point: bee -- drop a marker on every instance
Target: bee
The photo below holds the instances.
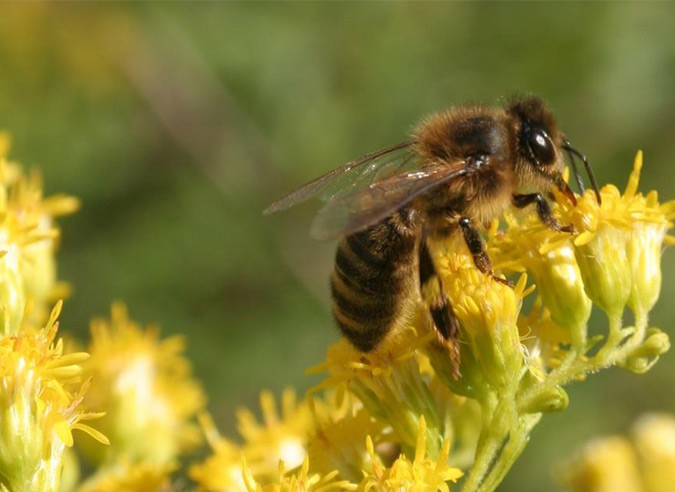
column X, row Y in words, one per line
column 462, row 168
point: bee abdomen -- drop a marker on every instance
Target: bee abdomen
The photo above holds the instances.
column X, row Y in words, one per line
column 369, row 283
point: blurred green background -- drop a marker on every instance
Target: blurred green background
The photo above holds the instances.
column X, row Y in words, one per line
column 176, row 124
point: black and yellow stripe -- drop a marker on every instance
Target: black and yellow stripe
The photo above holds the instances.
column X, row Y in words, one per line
column 372, row 270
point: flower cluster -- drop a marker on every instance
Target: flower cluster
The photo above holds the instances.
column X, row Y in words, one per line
column 410, row 416
column 41, row 383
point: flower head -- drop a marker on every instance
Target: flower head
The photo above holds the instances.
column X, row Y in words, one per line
column 222, row 471
column 341, row 425
column 28, row 239
column 389, row 384
column 527, row 245
column 654, row 439
column 605, row 465
column 41, row 393
column 146, row 386
column 300, row 481
column 491, row 352
column 646, row 462
column 422, row 474
column 130, row 477
column 277, row 437
column 618, row 248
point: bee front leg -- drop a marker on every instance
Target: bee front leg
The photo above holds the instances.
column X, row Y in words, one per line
column 543, row 211
column 477, row 248
column 440, row 310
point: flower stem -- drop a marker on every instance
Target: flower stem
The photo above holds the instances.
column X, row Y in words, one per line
column 616, row 348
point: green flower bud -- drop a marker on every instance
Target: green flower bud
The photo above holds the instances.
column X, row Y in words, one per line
column 605, row 268
column 644, row 254
column 553, row 400
column 560, row 285
column 645, row 356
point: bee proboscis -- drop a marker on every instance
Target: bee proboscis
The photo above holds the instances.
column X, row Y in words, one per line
column 462, row 168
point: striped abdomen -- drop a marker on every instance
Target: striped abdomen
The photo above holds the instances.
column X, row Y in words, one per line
column 373, row 275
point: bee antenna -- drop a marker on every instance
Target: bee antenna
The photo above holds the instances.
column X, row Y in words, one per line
column 572, row 151
column 575, row 169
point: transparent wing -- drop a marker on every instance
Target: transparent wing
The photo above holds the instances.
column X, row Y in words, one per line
column 352, row 175
column 352, row 210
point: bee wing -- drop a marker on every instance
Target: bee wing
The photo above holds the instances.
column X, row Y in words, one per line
column 353, row 210
column 368, row 168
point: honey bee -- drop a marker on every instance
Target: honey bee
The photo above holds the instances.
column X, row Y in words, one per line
column 462, row 168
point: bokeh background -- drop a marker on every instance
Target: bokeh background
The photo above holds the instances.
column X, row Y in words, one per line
column 176, row 124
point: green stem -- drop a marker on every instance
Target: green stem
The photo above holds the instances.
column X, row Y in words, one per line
column 518, row 439
column 574, row 366
column 506, row 427
column 499, row 417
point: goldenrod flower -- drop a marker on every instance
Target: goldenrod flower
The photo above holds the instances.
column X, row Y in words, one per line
column 619, row 244
column 488, row 311
column 389, row 383
column 28, row 239
column 301, row 481
column 549, row 257
column 130, row 477
column 223, row 470
column 278, row 437
column 146, row 386
column 422, row 474
column 654, row 438
column 40, row 404
column 605, row 465
column 645, row 463
column 340, row 429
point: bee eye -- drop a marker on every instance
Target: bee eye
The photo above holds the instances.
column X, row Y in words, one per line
column 540, row 147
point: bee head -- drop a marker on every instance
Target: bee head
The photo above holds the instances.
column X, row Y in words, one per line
column 538, row 144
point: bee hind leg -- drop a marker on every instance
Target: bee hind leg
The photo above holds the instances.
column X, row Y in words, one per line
column 440, row 310
column 543, row 211
column 477, row 248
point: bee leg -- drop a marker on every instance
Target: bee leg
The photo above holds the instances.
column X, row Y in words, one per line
column 543, row 211
column 477, row 248
column 440, row 310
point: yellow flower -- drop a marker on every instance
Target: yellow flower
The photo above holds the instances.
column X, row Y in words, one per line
column 146, row 386
column 389, row 383
column 654, row 438
column 604, row 465
column 41, row 395
column 491, row 352
column 301, row 481
column 422, row 474
column 28, row 238
column 128, row 477
column 277, row 437
column 645, row 463
column 527, row 246
column 223, row 470
column 340, row 429
column 618, row 248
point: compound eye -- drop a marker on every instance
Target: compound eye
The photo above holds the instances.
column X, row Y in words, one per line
column 541, row 147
